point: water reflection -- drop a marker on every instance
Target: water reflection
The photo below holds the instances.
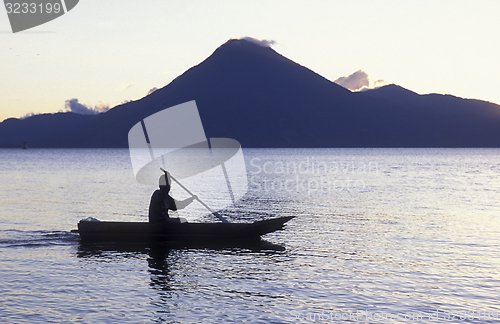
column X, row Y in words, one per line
column 161, row 249
column 160, row 259
column 176, row 272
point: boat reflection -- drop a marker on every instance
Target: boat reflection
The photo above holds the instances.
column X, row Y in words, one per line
column 161, row 249
column 175, row 270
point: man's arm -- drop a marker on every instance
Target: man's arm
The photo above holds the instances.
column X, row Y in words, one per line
column 183, row 203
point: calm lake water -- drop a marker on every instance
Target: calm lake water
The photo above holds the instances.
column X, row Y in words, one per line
column 381, row 236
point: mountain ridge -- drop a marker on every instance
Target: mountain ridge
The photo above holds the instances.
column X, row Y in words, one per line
column 257, row 96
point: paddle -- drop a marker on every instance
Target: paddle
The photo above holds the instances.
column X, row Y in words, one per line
column 168, row 175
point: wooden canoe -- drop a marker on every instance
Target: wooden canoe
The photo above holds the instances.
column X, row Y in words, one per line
column 177, row 232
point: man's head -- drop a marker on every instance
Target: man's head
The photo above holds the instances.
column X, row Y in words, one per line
column 163, row 182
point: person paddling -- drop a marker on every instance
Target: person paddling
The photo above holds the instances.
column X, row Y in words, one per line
column 161, row 201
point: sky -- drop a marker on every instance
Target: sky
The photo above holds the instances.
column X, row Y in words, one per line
column 103, row 53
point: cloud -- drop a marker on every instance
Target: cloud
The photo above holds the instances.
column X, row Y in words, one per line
column 379, row 83
column 28, row 115
column 126, row 86
column 260, row 42
column 74, row 106
column 359, row 81
column 355, row 81
column 151, row 91
column 101, row 107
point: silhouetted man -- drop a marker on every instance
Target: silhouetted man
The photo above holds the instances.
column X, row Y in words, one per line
column 161, row 202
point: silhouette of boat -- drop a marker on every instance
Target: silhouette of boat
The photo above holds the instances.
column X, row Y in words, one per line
column 97, row 231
